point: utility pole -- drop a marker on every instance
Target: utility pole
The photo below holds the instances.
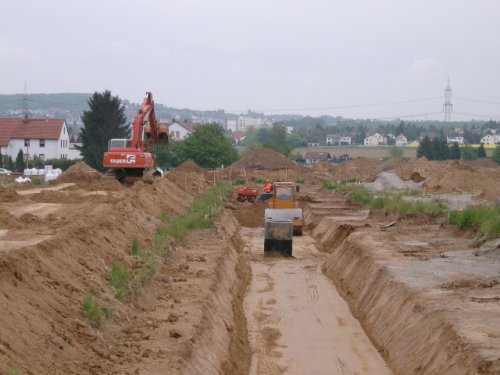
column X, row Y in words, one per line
column 447, row 107
column 25, row 103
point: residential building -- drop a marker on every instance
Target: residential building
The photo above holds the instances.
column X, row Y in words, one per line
column 333, row 139
column 490, row 139
column 42, row 138
column 345, row 140
column 312, row 144
column 238, row 137
column 401, row 140
column 455, row 139
column 73, row 152
column 375, row 140
column 313, row 157
column 179, row 131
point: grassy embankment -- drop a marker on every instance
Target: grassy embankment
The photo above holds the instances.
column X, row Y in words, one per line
column 125, row 280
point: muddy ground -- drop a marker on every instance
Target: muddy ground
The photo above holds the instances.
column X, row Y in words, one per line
column 358, row 297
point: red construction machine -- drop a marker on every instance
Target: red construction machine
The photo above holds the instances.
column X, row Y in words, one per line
column 136, row 157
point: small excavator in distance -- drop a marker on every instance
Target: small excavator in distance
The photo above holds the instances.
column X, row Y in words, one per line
column 136, row 157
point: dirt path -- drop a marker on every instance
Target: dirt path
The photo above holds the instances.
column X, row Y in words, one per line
column 297, row 322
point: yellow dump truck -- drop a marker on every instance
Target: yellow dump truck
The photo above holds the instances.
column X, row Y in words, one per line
column 282, row 219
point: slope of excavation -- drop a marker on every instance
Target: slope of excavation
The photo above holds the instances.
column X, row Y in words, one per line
column 297, row 322
column 423, row 296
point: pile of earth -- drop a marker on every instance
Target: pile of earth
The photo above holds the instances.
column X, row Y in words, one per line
column 189, row 177
column 80, row 172
column 361, row 168
column 390, row 180
column 451, row 176
column 483, row 163
column 264, row 159
column 8, row 195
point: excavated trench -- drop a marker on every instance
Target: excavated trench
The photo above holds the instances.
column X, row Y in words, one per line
column 359, row 296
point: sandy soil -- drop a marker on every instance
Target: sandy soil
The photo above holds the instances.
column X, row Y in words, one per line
column 298, row 322
column 427, row 302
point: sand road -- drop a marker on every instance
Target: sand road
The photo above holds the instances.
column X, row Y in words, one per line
column 297, row 321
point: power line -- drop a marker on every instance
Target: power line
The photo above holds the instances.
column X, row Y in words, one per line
column 408, row 116
column 477, row 100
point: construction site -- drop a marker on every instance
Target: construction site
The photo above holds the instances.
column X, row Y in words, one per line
column 101, row 277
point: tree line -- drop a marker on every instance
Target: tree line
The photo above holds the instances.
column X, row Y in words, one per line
column 439, row 149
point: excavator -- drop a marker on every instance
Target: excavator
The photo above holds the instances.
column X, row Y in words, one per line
column 136, row 157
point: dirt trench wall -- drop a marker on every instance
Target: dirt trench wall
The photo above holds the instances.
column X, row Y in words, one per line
column 220, row 343
column 415, row 336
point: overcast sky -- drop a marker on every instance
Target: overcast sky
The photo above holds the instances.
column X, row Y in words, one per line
column 292, row 56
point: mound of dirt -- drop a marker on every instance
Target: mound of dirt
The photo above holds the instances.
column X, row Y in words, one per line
column 189, row 166
column 389, row 165
column 420, row 169
column 250, row 214
column 483, row 163
column 361, row 168
column 264, row 159
column 390, row 180
column 189, row 177
column 8, row 195
column 80, row 172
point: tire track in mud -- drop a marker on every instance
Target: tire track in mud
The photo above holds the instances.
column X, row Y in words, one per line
column 297, row 321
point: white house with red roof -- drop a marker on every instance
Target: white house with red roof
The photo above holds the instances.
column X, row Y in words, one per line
column 180, row 130
column 43, row 138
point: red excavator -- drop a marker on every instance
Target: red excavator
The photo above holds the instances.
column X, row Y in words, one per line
column 136, row 157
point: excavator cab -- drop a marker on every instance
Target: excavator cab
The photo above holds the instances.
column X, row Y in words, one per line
column 119, row 143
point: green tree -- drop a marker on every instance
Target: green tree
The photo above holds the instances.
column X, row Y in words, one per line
column 481, row 152
column 277, row 139
column 104, row 120
column 468, row 153
column 208, row 147
column 168, row 157
column 20, row 161
column 9, row 164
column 496, row 155
column 425, row 148
column 396, row 152
column 440, row 149
column 455, row 152
column 1, row 158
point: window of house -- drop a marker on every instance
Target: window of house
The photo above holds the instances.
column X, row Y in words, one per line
column 42, row 142
column 26, row 143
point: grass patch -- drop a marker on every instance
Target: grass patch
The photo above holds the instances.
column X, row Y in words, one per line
column 239, row 182
column 94, row 310
column 484, row 219
column 395, row 202
column 299, row 181
column 341, row 185
column 260, row 181
column 119, row 277
column 37, row 182
column 12, row 372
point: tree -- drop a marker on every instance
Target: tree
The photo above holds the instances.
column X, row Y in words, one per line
column 439, row 149
column 455, row 152
column 396, row 152
column 10, row 164
column 104, row 120
column 1, row 158
column 468, row 153
column 496, row 155
column 481, row 152
column 208, row 147
column 168, row 157
column 20, row 161
column 425, row 148
column 277, row 139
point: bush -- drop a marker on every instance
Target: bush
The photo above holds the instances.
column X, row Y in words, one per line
column 62, row 164
column 93, row 311
column 119, row 277
column 483, row 219
column 239, row 182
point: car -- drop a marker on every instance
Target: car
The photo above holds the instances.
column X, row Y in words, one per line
column 5, row 172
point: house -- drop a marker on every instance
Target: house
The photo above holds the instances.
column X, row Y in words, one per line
column 337, row 139
column 42, row 138
column 73, row 152
column 312, row 144
column 401, row 140
column 490, row 139
column 238, row 137
column 313, row 157
column 178, row 130
column 333, row 139
column 345, row 140
column 455, row 139
column 375, row 140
